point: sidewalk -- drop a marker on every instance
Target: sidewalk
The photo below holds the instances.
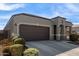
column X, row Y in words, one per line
column 73, row 52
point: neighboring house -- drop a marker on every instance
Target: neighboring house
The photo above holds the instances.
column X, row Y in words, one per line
column 32, row 27
column 75, row 29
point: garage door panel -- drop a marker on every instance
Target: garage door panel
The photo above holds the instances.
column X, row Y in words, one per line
column 30, row 32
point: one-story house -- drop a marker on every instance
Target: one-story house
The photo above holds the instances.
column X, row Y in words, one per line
column 32, row 27
column 75, row 29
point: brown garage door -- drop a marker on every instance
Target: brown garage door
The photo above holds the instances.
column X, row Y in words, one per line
column 32, row 33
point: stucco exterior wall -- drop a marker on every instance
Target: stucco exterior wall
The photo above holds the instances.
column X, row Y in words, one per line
column 16, row 20
column 28, row 20
column 68, row 23
column 31, row 20
column 10, row 26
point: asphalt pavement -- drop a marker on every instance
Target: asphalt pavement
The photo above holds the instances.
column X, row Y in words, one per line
column 51, row 48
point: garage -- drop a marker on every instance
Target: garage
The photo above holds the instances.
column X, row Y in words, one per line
column 34, row 33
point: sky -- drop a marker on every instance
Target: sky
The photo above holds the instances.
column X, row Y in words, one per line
column 69, row 11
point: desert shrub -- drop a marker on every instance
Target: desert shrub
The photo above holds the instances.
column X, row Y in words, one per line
column 6, row 42
column 15, row 37
column 6, row 51
column 73, row 37
column 31, row 52
column 19, row 41
column 16, row 49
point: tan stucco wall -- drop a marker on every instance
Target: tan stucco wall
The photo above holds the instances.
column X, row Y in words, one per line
column 68, row 23
column 61, row 21
column 13, row 25
column 31, row 20
column 9, row 26
column 28, row 20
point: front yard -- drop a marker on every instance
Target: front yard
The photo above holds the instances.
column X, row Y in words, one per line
column 16, row 47
column 48, row 48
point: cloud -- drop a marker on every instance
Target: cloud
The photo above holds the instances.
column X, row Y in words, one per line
column 57, row 13
column 8, row 7
column 76, row 23
column 3, row 20
column 5, row 17
column 72, row 7
column 1, row 27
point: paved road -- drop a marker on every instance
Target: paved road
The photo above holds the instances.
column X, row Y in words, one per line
column 51, row 48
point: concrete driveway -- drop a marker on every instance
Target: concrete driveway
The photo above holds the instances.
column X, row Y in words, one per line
column 51, row 48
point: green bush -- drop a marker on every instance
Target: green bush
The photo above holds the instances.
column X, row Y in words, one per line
column 16, row 50
column 73, row 37
column 6, row 51
column 31, row 52
column 19, row 41
column 15, row 37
